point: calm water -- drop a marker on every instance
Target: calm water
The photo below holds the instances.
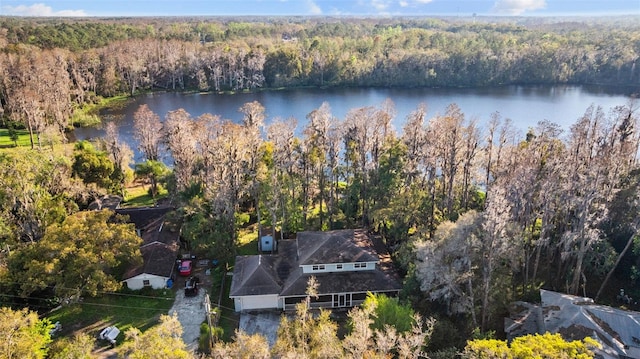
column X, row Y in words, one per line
column 524, row 105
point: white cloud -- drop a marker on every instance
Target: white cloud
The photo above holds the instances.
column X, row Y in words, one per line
column 517, row 7
column 407, row 3
column 39, row 9
column 314, row 9
column 380, row 5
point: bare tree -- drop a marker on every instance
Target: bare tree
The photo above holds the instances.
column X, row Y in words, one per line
column 207, row 131
column 118, row 151
column 498, row 245
column 585, row 186
column 445, row 264
column 281, row 135
column 180, row 134
column 414, row 136
column 253, row 122
column 147, row 130
column 471, row 139
column 31, row 91
column 316, row 133
column 173, row 54
column 448, row 131
column 132, row 59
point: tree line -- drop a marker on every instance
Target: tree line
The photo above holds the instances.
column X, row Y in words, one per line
column 50, row 69
column 475, row 216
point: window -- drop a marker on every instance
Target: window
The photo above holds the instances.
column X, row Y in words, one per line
column 338, row 266
column 318, row 267
column 359, row 265
column 146, row 283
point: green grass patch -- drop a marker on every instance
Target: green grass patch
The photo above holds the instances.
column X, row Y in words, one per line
column 6, row 141
column 248, row 241
column 81, row 118
column 127, row 309
column 229, row 319
column 87, row 115
column 139, row 196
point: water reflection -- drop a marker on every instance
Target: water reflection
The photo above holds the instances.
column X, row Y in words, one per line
column 525, row 105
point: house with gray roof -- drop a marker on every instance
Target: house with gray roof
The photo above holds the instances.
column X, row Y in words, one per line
column 575, row 318
column 160, row 247
column 347, row 265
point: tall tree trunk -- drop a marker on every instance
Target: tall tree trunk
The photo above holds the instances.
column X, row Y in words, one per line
column 622, row 254
column 30, row 126
column 321, row 184
column 486, row 287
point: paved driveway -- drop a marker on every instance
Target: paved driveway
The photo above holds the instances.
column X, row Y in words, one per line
column 265, row 323
column 191, row 314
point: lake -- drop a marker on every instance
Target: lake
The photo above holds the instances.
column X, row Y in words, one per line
column 524, row 105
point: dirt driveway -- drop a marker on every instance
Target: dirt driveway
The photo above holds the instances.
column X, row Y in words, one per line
column 190, row 311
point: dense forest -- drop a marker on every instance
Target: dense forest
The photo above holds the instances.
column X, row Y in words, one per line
column 474, row 216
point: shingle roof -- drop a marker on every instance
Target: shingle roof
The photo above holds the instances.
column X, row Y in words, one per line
column 281, row 273
column 254, row 275
column 145, row 218
column 158, row 259
column 342, row 282
column 160, row 242
column 341, row 246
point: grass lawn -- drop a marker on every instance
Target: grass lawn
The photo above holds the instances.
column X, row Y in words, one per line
column 138, row 196
column 248, row 240
column 87, row 115
column 229, row 319
column 124, row 310
column 5, row 140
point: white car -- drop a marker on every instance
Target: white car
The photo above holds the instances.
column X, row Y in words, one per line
column 110, row 334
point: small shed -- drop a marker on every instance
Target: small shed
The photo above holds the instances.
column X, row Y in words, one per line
column 267, row 244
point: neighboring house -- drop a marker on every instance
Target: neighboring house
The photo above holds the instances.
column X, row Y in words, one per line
column 346, row 263
column 575, row 318
column 159, row 249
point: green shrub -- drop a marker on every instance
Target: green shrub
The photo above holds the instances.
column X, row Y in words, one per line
column 203, row 342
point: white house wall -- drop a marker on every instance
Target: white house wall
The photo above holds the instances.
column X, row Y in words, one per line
column 254, row 302
column 137, row 282
column 338, row 267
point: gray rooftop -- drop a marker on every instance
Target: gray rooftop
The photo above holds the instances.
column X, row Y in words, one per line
column 341, row 246
column 157, row 259
column 281, row 273
column 254, row 275
column 342, row 282
column 575, row 318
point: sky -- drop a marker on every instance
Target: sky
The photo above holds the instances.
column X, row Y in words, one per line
column 101, row 8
